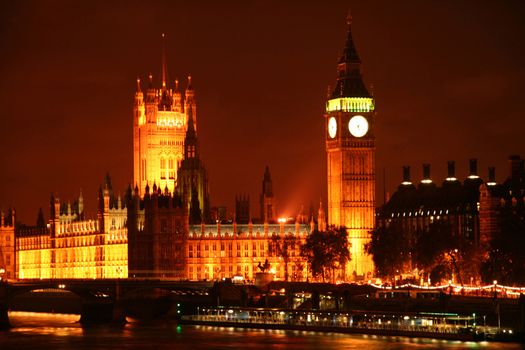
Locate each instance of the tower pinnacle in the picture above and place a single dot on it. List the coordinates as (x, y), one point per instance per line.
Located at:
(164, 64)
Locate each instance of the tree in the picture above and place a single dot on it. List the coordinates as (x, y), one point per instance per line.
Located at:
(436, 251)
(389, 250)
(282, 246)
(506, 261)
(326, 252)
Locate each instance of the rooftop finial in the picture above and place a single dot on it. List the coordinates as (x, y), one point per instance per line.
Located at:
(138, 84)
(164, 66)
(349, 18)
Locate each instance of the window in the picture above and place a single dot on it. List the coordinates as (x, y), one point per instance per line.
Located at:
(171, 168)
(144, 173)
(190, 251)
(198, 250)
(162, 168)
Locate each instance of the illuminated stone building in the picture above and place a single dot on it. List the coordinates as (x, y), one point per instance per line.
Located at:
(217, 251)
(160, 123)
(71, 246)
(7, 245)
(350, 148)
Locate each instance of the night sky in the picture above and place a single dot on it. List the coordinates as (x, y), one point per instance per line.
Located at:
(448, 78)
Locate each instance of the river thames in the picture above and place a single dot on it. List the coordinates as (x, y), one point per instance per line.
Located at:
(59, 331)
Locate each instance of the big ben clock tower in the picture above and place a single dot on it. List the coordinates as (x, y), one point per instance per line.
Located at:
(350, 148)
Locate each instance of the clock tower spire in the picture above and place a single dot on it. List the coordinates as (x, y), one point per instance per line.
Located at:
(350, 148)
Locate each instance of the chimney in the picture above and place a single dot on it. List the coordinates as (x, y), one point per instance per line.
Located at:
(492, 176)
(426, 174)
(451, 171)
(406, 175)
(473, 169)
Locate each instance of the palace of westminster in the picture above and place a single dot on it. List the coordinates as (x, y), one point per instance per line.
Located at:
(164, 227)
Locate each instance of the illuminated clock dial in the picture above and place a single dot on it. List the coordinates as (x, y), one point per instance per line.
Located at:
(332, 127)
(358, 126)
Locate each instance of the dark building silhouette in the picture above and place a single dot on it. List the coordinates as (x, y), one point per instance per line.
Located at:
(157, 230)
(192, 178)
(266, 199)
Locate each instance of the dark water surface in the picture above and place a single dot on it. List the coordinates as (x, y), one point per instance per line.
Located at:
(56, 331)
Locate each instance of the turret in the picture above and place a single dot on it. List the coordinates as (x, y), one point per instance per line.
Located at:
(266, 200)
(189, 100)
(177, 98)
(321, 218)
(81, 204)
(191, 149)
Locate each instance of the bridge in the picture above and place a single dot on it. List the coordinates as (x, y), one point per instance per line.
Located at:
(102, 299)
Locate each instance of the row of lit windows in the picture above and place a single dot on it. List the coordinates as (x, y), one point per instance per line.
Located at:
(242, 250)
(170, 143)
(242, 234)
(167, 168)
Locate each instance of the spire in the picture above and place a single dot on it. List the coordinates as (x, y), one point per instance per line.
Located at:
(190, 87)
(267, 189)
(350, 54)
(190, 141)
(164, 64)
(138, 85)
(349, 80)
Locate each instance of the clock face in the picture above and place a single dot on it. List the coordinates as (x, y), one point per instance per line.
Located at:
(358, 126)
(332, 127)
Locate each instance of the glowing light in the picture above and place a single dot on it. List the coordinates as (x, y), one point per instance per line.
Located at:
(451, 179)
(332, 127)
(350, 104)
(473, 177)
(426, 181)
(491, 183)
(358, 126)
(406, 183)
(281, 220)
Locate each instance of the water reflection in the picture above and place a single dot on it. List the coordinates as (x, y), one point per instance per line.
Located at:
(60, 331)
